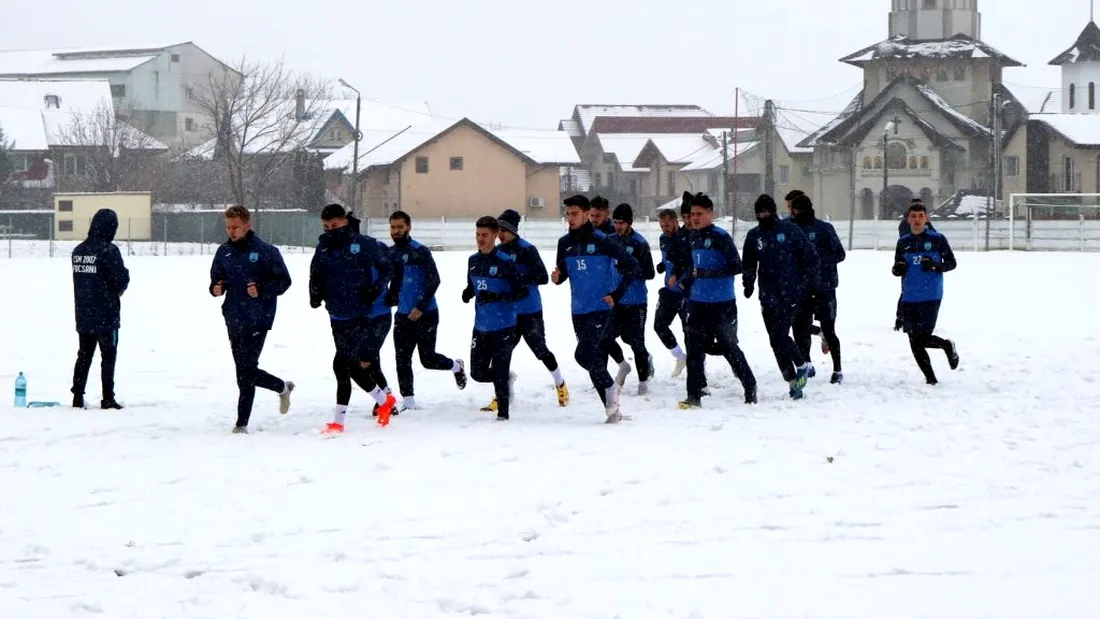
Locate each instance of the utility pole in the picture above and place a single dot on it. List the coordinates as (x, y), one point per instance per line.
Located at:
(996, 189)
(726, 171)
(769, 147)
(358, 138)
(732, 181)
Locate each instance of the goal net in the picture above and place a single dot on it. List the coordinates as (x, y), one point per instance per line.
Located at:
(1054, 221)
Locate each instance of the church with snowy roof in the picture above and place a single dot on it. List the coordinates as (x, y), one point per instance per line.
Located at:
(921, 125)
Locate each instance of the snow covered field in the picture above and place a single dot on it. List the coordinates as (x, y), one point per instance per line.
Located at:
(976, 498)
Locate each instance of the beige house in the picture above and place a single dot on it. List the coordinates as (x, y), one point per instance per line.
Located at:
(455, 169)
(73, 214)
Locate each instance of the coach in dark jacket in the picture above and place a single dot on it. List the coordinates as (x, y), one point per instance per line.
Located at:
(252, 275)
(99, 279)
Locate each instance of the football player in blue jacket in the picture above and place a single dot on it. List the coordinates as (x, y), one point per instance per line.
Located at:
(493, 279)
(629, 314)
(588, 259)
(600, 216)
(675, 265)
(920, 260)
(416, 323)
(252, 276)
(820, 300)
(530, 325)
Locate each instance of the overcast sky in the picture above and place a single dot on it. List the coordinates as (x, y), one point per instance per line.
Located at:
(525, 63)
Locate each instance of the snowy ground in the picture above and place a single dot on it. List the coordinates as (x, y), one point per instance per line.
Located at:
(977, 498)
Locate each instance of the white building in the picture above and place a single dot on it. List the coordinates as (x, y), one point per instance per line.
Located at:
(148, 85)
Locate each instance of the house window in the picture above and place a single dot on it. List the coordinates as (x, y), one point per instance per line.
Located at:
(175, 57)
(421, 165)
(609, 158)
(896, 156)
(64, 206)
(878, 163)
(671, 183)
(924, 162)
(1067, 166)
(64, 225)
(1012, 166)
(189, 124)
(1072, 96)
(456, 163)
(913, 162)
(960, 74)
(599, 179)
(784, 174)
(941, 75)
(866, 163)
(74, 164)
(1092, 95)
(52, 101)
(19, 163)
(929, 4)
(118, 90)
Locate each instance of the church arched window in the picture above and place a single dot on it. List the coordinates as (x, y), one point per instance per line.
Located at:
(866, 163)
(912, 162)
(896, 156)
(1072, 96)
(878, 163)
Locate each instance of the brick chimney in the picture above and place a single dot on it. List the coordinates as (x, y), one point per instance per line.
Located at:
(300, 105)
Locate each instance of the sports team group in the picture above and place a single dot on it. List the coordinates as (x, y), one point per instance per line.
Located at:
(789, 262)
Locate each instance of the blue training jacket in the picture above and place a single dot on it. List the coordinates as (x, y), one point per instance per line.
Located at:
(588, 259)
(415, 277)
(349, 273)
(380, 307)
(784, 261)
(918, 285)
(636, 245)
(529, 264)
(236, 263)
(497, 284)
(676, 257)
(714, 264)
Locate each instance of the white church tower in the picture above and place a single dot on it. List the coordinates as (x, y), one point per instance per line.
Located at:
(935, 20)
(1081, 72)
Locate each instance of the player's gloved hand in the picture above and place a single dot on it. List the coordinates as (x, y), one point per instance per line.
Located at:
(660, 267)
(467, 294)
(315, 302)
(900, 267)
(748, 290)
(929, 265)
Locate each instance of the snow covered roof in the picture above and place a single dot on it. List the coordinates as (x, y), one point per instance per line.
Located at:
(793, 136)
(378, 117)
(585, 114)
(540, 147)
(1046, 102)
(572, 127)
(1085, 49)
(44, 113)
(847, 113)
(582, 178)
(1080, 129)
(901, 47)
(625, 147)
(57, 62)
(960, 119)
(679, 149)
(714, 159)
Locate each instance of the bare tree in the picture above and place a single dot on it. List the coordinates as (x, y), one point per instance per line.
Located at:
(118, 156)
(260, 118)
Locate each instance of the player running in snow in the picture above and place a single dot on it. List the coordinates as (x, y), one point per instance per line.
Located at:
(781, 257)
(416, 325)
(252, 276)
(99, 279)
(529, 320)
(712, 304)
(675, 264)
(820, 301)
(379, 322)
(588, 259)
(920, 260)
(493, 279)
(903, 229)
(629, 314)
(600, 216)
(342, 276)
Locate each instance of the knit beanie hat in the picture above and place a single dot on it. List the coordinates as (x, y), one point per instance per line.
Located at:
(509, 221)
(623, 212)
(765, 204)
(685, 203)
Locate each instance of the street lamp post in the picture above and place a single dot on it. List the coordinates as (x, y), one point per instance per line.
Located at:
(891, 126)
(358, 138)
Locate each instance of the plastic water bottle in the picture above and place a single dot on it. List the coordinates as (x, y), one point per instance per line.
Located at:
(20, 391)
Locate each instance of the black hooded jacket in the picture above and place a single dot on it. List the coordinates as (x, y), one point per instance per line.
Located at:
(99, 276)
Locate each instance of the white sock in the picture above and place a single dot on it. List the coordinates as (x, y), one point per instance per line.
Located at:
(339, 413)
(379, 396)
(410, 402)
(456, 368)
(558, 380)
(679, 353)
(624, 366)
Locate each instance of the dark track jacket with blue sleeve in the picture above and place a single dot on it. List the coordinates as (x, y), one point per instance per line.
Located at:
(830, 251)
(529, 264)
(714, 264)
(349, 272)
(636, 245)
(784, 261)
(415, 277)
(498, 285)
(675, 258)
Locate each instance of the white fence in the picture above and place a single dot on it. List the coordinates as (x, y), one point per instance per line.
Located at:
(458, 234)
